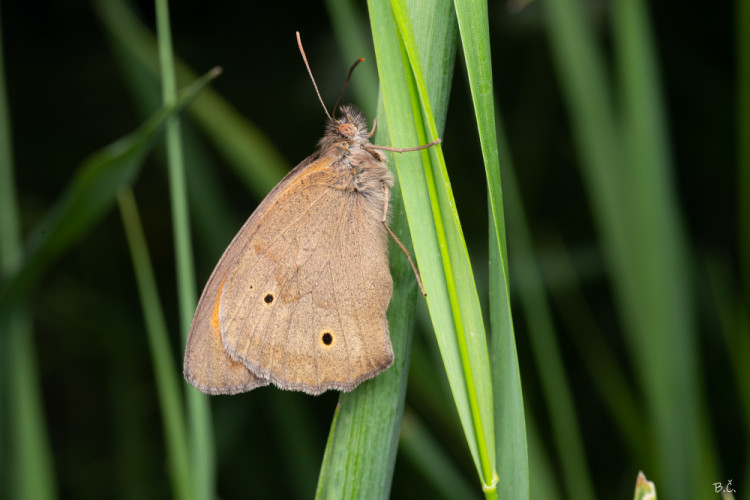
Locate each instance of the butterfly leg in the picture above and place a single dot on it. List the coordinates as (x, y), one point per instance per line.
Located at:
(374, 126)
(398, 242)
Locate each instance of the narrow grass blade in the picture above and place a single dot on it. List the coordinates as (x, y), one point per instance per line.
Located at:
(743, 145)
(544, 484)
(475, 39)
(604, 368)
(324, 474)
(353, 37)
(510, 421)
(29, 471)
(248, 151)
(199, 412)
(426, 454)
(178, 191)
(167, 383)
(512, 458)
(91, 193)
(211, 217)
(546, 350)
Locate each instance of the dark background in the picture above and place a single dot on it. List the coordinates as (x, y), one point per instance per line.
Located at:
(68, 99)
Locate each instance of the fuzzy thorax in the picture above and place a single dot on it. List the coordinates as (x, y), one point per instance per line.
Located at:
(361, 169)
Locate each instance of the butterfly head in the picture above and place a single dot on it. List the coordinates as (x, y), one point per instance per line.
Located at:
(350, 124)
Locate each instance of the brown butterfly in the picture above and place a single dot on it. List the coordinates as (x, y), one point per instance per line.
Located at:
(299, 297)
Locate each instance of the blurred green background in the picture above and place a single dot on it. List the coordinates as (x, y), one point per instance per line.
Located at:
(74, 87)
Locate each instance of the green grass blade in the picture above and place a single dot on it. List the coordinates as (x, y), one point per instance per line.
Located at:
(362, 447)
(475, 39)
(247, 150)
(177, 184)
(90, 194)
(628, 181)
(324, 475)
(667, 332)
(167, 383)
(511, 446)
(546, 350)
(361, 450)
(446, 272)
(467, 315)
(352, 35)
(743, 132)
(199, 412)
(212, 219)
(427, 455)
(544, 484)
(599, 358)
(29, 472)
(363, 440)
(510, 421)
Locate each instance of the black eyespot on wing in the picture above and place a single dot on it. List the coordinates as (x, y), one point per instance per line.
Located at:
(326, 338)
(268, 299)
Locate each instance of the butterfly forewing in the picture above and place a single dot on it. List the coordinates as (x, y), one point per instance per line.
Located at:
(303, 305)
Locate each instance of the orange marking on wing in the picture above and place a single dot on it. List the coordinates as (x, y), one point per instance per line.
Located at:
(215, 328)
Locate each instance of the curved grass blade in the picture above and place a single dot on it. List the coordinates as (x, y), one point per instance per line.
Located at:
(91, 194)
(247, 149)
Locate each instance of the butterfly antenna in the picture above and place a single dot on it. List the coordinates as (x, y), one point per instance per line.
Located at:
(304, 57)
(346, 82)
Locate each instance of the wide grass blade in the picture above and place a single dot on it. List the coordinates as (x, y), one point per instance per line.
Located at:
(439, 246)
(362, 447)
(663, 306)
(627, 171)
